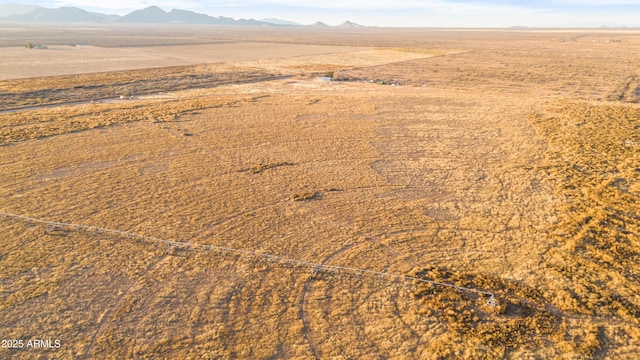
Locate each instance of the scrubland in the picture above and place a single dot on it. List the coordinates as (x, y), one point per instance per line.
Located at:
(505, 162)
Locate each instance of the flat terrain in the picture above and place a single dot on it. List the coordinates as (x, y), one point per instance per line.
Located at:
(80, 59)
(238, 207)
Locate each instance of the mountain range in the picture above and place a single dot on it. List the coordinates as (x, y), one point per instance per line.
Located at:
(149, 15)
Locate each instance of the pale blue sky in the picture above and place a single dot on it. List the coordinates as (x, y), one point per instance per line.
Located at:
(428, 13)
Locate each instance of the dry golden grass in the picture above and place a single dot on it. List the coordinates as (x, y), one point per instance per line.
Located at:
(595, 160)
(42, 123)
(510, 181)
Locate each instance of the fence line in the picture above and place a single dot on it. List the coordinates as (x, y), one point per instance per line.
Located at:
(315, 267)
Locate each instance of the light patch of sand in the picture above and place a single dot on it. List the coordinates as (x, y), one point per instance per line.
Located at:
(20, 62)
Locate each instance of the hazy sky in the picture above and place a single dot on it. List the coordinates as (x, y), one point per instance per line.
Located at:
(428, 13)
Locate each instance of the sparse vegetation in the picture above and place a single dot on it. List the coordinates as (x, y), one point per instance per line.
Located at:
(260, 167)
(511, 168)
(97, 86)
(307, 195)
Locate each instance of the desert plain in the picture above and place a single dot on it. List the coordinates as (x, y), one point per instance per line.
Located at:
(193, 192)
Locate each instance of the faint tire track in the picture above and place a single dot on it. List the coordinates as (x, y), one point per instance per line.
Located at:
(107, 315)
(394, 300)
(304, 299)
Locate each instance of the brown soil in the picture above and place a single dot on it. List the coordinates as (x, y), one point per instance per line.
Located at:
(504, 166)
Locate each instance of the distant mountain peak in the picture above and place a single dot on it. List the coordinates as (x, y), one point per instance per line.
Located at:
(151, 14)
(349, 24)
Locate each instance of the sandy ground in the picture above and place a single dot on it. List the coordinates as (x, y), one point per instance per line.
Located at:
(496, 183)
(64, 60)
